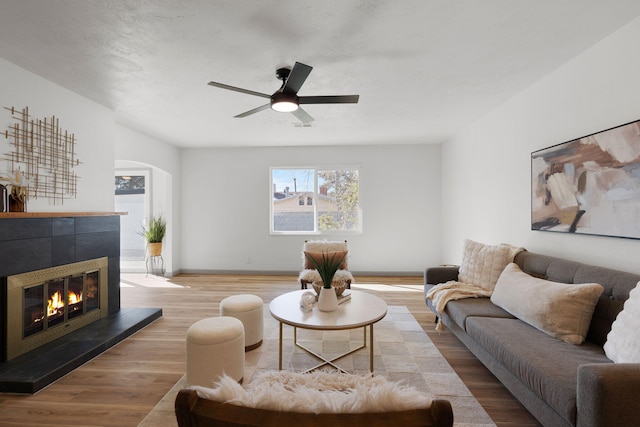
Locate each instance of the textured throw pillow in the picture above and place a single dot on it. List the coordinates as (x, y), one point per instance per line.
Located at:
(482, 264)
(623, 341)
(561, 310)
(317, 256)
(317, 392)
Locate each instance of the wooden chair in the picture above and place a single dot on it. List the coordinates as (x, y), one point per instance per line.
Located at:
(193, 411)
(308, 274)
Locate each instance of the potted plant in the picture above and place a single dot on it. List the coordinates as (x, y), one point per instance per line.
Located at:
(327, 265)
(154, 234)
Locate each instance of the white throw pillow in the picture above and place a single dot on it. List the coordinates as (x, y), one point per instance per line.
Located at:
(482, 264)
(561, 310)
(623, 341)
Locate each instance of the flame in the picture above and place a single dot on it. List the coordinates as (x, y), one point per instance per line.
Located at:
(56, 302)
(74, 298)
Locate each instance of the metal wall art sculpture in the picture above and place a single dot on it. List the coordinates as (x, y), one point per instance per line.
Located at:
(43, 154)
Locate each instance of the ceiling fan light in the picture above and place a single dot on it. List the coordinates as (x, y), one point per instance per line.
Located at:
(284, 106)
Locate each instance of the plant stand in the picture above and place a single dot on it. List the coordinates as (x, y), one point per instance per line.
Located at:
(155, 265)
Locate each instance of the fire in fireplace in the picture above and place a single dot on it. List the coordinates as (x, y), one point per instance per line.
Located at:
(59, 300)
(47, 304)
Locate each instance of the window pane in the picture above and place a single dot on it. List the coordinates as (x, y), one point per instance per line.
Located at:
(128, 184)
(291, 188)
(338, 200)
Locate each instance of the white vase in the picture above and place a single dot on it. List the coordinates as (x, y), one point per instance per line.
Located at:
(328, 300)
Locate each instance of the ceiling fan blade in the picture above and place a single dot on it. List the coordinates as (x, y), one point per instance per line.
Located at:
(255, 110)
(330, 99)
(297, 76)
(238, 89)
(302, 115)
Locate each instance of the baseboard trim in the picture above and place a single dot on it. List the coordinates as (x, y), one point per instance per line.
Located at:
(295, 273)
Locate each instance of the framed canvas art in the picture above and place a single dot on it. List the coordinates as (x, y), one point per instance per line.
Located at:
(590, 185)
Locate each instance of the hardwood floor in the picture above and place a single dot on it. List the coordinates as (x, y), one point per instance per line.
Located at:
(119, 387)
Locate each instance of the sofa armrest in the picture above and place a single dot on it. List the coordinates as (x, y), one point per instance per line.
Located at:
(608, 394)
(441, 274)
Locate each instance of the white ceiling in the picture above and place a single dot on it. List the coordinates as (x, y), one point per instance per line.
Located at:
(423, 68)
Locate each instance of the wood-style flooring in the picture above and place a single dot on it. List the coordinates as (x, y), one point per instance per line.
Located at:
(121, 386)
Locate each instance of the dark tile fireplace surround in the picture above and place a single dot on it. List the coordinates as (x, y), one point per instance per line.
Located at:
(35, 241)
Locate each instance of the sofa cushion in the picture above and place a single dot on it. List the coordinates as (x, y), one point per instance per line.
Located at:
(561, 310)
(547, 366)
(482, 264)
(623, 342)
(458, 311)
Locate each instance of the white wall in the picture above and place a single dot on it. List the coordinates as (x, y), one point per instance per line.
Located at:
(136, 149)
(486, 168)
(92, 124)
(226, 195)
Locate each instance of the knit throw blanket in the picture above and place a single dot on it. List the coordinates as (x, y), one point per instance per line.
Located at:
(451, 291)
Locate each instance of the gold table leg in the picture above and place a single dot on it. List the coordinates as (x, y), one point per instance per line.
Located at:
(326, 361)
(280, 350)
(370, 348)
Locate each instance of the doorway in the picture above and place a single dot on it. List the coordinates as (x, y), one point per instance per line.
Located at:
(133, 196)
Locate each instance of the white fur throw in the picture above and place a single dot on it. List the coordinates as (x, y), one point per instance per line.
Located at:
(482, 264)
(623, 341)
(317, 392)
(561, 310)
(311, 275)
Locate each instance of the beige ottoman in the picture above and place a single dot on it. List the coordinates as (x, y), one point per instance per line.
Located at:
(247, 308)
(215, 346)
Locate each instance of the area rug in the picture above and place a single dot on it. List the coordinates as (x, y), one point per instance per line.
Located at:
(402, 352)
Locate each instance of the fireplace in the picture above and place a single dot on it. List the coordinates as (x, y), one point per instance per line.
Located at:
(47, 304)
(34, 243)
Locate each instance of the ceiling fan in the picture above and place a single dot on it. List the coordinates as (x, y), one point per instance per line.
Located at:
(286, 98)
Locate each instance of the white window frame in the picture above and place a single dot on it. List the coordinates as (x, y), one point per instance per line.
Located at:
(315, 203)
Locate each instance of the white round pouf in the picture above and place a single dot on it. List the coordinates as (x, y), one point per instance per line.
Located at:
(215, 346)
(248, 309)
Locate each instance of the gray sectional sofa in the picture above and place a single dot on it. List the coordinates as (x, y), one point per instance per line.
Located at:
(561, 384)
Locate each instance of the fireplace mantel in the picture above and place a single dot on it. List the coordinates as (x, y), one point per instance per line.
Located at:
(56, 214)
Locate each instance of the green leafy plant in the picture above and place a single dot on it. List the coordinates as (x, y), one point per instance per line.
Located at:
(327, 266)
(156, 230)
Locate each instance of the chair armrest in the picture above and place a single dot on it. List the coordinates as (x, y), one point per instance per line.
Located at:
(608, 394)
(441, 274)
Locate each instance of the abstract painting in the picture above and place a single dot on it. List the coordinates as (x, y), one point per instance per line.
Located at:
(589, 185)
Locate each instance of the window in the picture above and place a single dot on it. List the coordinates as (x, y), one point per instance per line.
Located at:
(132, 189)
(313, 200)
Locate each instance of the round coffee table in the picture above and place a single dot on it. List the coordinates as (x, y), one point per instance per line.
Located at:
(362, 310)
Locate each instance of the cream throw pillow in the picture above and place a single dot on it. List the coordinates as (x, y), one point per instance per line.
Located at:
(482, 264)
(561, 310)
(623, 341)
(323, 246)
